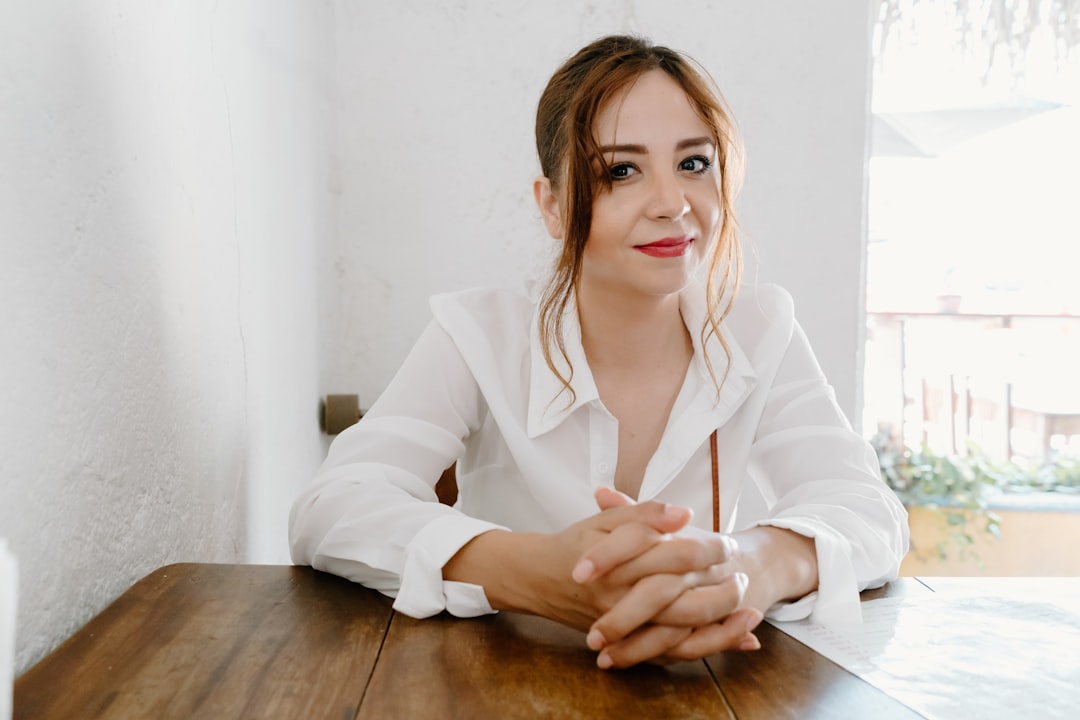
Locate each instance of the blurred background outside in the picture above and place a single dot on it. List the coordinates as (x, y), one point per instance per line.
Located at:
(973, 266)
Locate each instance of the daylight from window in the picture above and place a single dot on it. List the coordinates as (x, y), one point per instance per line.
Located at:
(973, 265)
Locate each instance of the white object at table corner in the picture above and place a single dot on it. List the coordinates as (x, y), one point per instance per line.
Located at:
(9, 592)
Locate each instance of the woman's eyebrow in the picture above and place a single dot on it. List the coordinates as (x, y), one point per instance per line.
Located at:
(693, 142)
(642, 150)
(636, 149)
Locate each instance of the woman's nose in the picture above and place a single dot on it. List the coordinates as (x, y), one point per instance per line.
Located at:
(668, 201)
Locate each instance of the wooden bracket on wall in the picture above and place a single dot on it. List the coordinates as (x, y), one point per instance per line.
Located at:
(339, 412)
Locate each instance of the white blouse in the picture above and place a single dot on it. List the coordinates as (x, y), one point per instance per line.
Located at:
(476, 389)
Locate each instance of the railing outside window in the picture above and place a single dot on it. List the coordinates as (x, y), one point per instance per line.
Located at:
(1009, 383)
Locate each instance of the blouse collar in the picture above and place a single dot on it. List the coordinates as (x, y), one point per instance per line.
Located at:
(550, 403)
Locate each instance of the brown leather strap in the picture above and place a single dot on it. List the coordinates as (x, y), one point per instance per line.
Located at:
(715, 484)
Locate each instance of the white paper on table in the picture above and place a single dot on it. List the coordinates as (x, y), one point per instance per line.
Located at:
(8, 596)
(952, 655)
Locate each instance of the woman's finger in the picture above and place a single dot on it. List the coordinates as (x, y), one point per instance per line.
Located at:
(734, 633)
(675, 555)
(657, 515)
(705, 604)
(636, 608)
(650, 642)
(622, 544)
(607, 498)
(670, 600)
(700, 644)
(659, 518)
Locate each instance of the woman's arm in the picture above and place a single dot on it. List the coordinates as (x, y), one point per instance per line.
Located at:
(372, 514)
(821, 480)
(534, 572)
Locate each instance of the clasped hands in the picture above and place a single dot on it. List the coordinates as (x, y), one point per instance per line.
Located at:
(646, 594)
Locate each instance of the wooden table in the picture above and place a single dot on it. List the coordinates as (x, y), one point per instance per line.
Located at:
(248, 641)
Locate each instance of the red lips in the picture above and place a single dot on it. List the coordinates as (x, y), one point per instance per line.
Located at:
(667, 247)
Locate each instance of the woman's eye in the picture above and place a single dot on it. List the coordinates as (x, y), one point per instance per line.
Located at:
(698, 164)
(622, 171)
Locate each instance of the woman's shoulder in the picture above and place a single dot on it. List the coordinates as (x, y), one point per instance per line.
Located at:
(489, 310)
(761, 320)
(761, 307)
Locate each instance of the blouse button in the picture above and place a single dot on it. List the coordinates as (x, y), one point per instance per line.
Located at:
(603, 468)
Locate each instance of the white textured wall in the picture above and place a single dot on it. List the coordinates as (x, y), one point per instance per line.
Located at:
(165, 219)
(436, 155)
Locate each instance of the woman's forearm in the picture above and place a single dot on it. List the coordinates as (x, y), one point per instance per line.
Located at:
(534, 572)
(496, 561)
(520, 572)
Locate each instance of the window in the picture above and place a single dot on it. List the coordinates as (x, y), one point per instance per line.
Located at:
(973, 263)
(974, 231)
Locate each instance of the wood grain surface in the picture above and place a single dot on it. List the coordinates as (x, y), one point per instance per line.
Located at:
(517, 666)
(216, 641)
(247, 641)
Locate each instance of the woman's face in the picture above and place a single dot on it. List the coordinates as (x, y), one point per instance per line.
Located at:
(652, 230)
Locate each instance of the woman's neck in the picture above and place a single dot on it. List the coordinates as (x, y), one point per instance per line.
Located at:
(632, 331)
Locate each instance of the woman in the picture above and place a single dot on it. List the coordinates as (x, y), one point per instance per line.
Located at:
(603, 434)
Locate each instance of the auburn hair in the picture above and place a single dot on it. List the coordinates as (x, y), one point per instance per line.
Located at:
(569, 150)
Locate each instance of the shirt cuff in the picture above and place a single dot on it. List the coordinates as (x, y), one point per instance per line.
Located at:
(423, 592)
(836, 601)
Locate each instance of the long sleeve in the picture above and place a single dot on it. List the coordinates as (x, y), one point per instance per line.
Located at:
(372, 515)
(821, 480)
